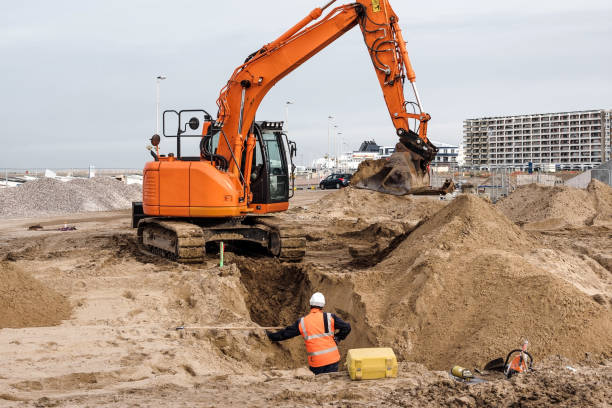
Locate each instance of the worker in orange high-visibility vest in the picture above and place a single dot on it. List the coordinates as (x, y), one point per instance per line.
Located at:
(321, 332)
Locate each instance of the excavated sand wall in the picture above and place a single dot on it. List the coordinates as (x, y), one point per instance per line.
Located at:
(278, 294)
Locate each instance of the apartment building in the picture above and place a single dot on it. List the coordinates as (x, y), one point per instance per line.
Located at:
(564, 141)
(447, 155)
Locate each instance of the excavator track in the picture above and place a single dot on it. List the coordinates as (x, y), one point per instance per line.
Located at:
(291, 246)
(175, 240)
(185, 242)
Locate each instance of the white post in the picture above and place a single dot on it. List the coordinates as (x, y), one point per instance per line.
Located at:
(335, 145)
(287, 116)
(157, 81)
(329, 125)
(338, 147)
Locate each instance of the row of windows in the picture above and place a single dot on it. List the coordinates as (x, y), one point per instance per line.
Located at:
(546, 142)
(528, 132)
(534, 125)
(445, 159)
(539, 154)
(546, 118)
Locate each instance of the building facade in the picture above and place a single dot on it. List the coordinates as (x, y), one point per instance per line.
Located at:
(447, 155)
(563, 141)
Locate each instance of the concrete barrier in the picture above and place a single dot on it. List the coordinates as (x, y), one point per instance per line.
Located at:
(602, 173)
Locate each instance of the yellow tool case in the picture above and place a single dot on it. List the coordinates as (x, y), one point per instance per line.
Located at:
(371, 363)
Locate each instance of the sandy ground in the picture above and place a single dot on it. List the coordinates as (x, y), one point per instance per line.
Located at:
(119, 347)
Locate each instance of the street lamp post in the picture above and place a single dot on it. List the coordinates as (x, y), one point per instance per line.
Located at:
(339, 147)
(287, 115)
(157, 81)
(330, 119)
(335, 130)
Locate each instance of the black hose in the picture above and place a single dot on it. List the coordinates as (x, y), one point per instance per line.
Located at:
(216, 158)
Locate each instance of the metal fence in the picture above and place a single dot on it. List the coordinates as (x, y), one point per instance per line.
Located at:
(603, 175)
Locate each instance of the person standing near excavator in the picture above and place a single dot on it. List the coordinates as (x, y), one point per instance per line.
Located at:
(319, 332)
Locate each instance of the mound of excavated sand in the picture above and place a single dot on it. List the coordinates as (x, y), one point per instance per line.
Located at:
(602, 196)
(356, 203)
(557, 207)
(47, 196)
(459, 291)
(26, 302)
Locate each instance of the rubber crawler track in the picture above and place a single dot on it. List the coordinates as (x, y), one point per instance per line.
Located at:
(184, 242)
(293, 240)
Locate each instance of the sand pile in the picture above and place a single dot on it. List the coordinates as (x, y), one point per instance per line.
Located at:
(26, 302)
(558, 207)
(356, 203)
(48, 196)
(458, 291)
(602, 196)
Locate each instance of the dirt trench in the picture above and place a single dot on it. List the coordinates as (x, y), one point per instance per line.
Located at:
(277, 294)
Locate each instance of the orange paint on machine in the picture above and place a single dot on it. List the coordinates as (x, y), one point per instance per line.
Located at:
(243, 171)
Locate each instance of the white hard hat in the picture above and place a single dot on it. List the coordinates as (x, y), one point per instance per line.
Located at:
(317, 300)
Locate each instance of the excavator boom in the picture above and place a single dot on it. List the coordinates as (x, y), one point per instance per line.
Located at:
(250, 82)
(241, 176)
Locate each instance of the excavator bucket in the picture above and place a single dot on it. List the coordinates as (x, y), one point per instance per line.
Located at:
(404, 172)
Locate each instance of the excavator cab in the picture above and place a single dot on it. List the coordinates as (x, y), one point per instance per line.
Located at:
(272, 166)
(271, 170)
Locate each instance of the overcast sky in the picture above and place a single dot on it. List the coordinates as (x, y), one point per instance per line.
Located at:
(77, 80)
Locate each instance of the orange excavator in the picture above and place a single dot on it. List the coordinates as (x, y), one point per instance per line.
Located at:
(244, 170)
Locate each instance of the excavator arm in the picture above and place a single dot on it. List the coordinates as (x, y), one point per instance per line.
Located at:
(189, 202)
(250, 82)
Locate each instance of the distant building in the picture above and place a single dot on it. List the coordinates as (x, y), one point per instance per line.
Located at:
(447, 155)
(370, 150)
(577, 140)
(369, 146)
(386, 151)
(461, 155)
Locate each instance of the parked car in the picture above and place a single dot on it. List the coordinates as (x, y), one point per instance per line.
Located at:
(336, 180)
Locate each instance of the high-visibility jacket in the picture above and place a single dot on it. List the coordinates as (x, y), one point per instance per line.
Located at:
(317, 329)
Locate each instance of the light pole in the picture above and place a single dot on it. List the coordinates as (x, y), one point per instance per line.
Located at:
(287, 115)
(339, 147)
(157, 81)
(335, 130)
(330, 119)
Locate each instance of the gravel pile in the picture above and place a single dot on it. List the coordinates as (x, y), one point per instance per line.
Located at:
(47, 196)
